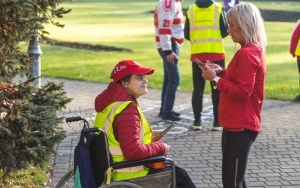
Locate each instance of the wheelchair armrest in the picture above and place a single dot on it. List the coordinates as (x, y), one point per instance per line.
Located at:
(127, 164)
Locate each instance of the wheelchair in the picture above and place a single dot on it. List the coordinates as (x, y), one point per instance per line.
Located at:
(101, 162)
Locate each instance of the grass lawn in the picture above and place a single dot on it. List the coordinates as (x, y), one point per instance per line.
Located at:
(128, 24)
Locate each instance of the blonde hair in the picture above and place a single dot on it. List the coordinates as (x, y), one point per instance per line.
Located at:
(248, 17)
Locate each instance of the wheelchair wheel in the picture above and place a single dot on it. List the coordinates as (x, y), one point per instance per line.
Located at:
(67, 181)
(121, 184)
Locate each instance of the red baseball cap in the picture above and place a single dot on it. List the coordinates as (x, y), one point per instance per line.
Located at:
(125, 67)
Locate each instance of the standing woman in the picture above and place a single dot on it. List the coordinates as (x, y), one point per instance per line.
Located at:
(295, 48)
(241, 88)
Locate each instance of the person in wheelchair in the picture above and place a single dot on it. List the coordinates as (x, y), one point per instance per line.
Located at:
(130, 137)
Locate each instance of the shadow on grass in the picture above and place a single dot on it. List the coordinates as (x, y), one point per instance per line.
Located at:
(86, 46)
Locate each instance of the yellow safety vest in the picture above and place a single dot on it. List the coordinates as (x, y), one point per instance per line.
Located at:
(104, 120)
(297, 52)
(205, 34)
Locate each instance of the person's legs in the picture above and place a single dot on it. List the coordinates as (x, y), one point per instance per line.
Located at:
(173, 80)
(197, 94)
(183, 179)
(235, 148)
(165, 81)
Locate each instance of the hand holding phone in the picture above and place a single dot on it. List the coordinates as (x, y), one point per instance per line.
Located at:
(200, 63)
(168, 129)
(161, 134)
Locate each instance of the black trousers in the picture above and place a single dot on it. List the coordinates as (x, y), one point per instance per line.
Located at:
(235, 148)
(197, 95)
(298, 62)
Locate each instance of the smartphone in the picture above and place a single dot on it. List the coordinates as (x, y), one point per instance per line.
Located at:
(199, 62)
(167, 129)
(161, 134)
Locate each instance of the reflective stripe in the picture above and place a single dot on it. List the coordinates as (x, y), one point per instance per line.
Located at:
(116, 150)
(107, 120)
(205, 35)
(206, 40)
(212, 27)
(131, 169)
(194, 28)
(142, 127)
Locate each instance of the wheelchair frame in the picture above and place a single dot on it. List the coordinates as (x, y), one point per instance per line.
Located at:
(68, 179)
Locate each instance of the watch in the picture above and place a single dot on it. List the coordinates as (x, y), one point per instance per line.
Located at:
(215, 81)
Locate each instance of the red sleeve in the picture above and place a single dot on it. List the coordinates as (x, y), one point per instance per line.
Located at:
(222, 73)
(241, 74)
(127, 131)
(294, 39)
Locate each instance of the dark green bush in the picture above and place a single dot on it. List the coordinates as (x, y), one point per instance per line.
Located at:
(29, 125)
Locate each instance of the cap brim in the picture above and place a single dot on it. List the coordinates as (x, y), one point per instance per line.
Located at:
(144, 70)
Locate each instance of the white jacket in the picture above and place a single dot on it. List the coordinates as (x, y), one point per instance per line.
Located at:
(169, 23)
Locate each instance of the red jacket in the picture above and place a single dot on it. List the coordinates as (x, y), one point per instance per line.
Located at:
(127, 124)
(294, 40)
(242, 90)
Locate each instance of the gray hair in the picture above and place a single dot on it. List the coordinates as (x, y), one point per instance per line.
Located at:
(248, 17)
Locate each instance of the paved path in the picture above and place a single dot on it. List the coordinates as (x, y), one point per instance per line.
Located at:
(274, 159)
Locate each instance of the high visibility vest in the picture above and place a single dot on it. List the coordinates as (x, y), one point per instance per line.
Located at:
(297, 51)
(104, 120)
(205, 34)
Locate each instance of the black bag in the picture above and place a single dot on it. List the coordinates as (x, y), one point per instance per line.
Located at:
(83, 169)
(100, 156)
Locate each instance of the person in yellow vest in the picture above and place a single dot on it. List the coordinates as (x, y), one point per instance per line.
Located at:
(205, 27)
(295, 48)
(130, 137)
